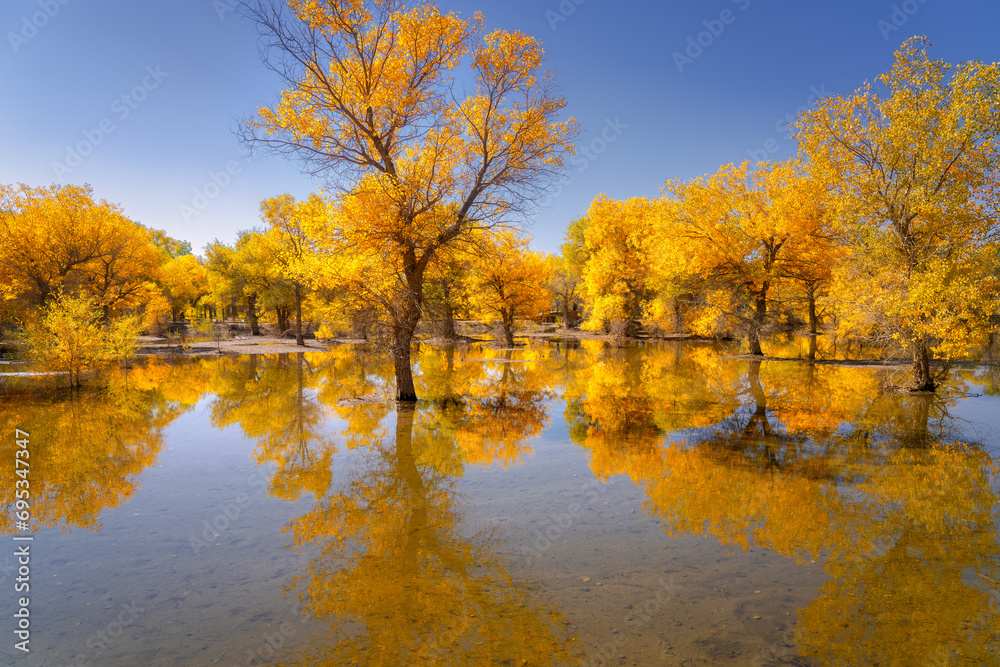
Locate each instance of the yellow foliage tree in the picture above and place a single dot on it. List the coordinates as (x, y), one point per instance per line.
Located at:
(70, 338)
(617, 257)
(289, 245)
(372, 105)
(60, 238)
(184, 282)
(744, 229)
(509, 280)
(914, 165)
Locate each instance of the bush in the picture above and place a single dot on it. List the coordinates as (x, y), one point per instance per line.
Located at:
(69, 337)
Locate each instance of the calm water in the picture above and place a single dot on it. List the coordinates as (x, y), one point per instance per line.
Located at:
(662, 505)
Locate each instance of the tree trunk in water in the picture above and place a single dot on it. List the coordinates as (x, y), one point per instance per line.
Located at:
(405, 390)
(298, 315)
(812, 349)
(508, 328)
(252, 315)
(757, 323)
(758, 425)
(922, 380)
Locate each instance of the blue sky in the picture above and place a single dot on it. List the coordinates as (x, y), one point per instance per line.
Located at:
(140, 98)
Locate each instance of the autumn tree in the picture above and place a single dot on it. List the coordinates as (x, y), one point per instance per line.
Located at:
(448, 286)
(914, 163)
(59, 238)
(617, 259)
(509, 281)
(252, 275)
(184, 282)
(71, 337)
(567, 270)
(374, 107)
(169, 247)
(744, 229)
(290, 246)
(564, 283)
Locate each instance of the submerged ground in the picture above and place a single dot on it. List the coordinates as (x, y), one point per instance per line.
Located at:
(577, 503)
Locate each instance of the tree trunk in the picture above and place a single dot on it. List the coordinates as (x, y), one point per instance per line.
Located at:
(757, 322)
(922, 380)
(252, 315)
(813, 320)
(298, 315)
(282, 313)
(405, 391)
(448, 322)
(404, 325)
(507, 321)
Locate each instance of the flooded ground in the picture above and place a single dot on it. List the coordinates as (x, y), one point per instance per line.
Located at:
(668, 504)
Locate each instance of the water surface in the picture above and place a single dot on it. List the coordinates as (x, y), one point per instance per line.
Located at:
(657, 505)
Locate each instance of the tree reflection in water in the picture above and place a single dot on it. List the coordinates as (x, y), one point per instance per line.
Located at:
(401, 576)
(815, 463)
(89, 445)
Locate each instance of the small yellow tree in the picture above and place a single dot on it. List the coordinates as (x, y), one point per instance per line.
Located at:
(746, 228)
(510, 281)
(617, 260)
(69, 337)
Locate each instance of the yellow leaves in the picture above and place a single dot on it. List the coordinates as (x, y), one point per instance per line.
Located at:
(618, 254)
(70, 338)
(509, 280)
(915, 169)
(508, 59)
(184, 281)
(60, 237)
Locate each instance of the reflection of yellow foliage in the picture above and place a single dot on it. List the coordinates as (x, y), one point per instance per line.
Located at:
(86, 448)
(812, 462)
(401, 581)
(488, 406)
(273, 401)
(914, 599)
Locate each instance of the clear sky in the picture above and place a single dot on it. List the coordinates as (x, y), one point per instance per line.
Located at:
(140, 98)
